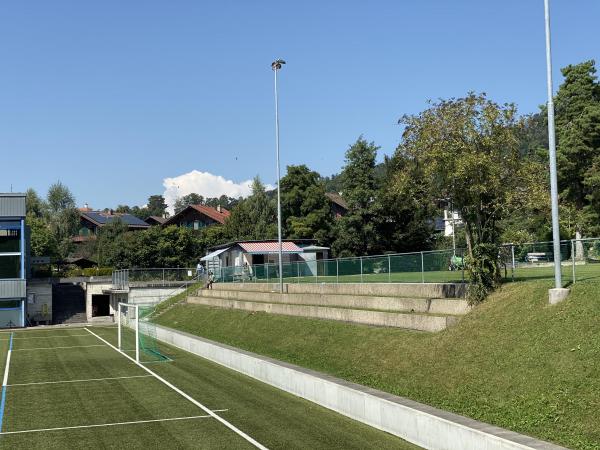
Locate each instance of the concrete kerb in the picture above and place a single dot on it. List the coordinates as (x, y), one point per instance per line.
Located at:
(453, 306)
(412, 321)
(422, 290)
(420, 424)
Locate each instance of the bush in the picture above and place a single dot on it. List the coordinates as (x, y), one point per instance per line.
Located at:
(484, 272)
(89, 272)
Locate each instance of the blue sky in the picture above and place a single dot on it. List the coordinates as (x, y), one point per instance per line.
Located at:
(113, 97)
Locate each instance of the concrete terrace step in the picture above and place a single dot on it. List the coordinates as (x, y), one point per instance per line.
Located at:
(413, 321)
(404, 304)
(414, 290)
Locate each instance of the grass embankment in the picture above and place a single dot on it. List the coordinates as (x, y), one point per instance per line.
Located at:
(513, 361)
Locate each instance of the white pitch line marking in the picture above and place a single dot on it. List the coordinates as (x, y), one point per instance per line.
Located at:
(97, 425)
(36, 330)
(186, 396)
(6, 367)
(54, 348)
(78, 381)
(48, 337)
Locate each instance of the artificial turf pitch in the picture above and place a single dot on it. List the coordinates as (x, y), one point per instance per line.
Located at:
(66, 388)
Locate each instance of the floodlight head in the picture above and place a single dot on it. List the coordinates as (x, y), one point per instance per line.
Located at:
(276, 65)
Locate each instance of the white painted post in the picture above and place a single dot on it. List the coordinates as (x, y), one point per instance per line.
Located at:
(119, 325)
(573, 259)
(422, 268)
(512, 250)
(361, 270)
(137, 333)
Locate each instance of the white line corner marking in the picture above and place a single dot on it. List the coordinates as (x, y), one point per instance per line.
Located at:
(6, 367)
(34, 383)
(186, 396)
(113, 424)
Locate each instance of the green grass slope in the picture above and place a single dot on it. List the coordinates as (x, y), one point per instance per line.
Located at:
(514, 361)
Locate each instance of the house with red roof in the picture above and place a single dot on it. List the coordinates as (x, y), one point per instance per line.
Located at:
(198, 217)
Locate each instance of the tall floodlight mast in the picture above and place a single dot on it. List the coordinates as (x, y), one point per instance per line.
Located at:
(276, 66)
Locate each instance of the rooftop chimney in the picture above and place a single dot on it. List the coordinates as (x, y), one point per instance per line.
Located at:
(219, 208)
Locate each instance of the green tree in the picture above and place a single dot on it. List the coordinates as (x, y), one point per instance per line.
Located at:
(468, 150)
(305, 209)
(403, 208)
(35, 205)
(578, 138)
(63, 218)
(109, 247)
(123, 209)
(156, 206)
(355, 232)
(254, 217)
(223, 200)
(42, 240)
(191, 199)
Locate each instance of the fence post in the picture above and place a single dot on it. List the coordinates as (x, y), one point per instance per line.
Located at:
(337, 271)
(463, 265)
(361, 270)
(512, 250)
(573, 259)
(163, 276)
(266, 266)
(389, 269)
(316, 271)
(298, 272)
(422, 268)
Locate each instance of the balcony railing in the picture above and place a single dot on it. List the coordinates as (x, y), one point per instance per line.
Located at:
(12, 288)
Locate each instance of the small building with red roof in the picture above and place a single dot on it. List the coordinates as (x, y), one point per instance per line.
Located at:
(245, 256)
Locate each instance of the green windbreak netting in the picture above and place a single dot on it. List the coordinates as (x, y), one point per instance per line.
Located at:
(149, 347)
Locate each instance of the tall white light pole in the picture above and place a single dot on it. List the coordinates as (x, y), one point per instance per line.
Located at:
(557, 294)
(276, 66)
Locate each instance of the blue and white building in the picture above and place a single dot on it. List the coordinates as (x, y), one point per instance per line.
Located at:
(13, 251)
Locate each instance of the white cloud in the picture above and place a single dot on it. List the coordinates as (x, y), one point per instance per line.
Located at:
(205, 184)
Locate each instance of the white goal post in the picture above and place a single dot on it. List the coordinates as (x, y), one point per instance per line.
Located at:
(128, 316)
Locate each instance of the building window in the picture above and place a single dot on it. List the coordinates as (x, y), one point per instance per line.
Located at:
(10, 266)
(10, 240)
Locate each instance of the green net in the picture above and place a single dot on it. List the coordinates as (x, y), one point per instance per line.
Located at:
(149, 347)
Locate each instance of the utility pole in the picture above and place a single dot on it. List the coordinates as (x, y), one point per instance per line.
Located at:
(276, 66)
(558, 293)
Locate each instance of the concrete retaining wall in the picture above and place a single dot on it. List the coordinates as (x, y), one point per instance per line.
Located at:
(420, 424)
(423, 290)
(419, 322)
(423, 305)
(39, 304)
(152, 295)
(136, 294)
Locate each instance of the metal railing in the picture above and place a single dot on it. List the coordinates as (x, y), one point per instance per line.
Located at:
(121, 279)
(436, 266)
(580, 260)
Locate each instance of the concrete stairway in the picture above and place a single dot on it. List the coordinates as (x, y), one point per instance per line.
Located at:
(80, 317)
(423, 307)
(68, 303)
